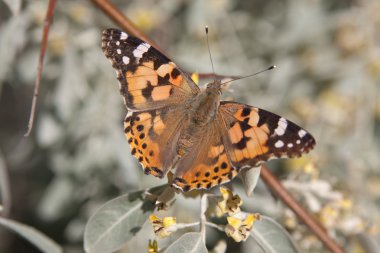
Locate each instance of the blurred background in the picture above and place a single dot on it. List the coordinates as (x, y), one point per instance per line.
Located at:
(327, 81)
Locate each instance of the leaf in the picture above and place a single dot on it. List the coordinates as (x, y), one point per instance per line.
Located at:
(271, 237)
(188, 243)
(11, 42)
(117, 221)
(369, 244)
(5, 196)
(13, 5)
(250, 177)
(34, 236)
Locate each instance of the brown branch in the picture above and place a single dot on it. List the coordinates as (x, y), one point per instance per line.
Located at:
(47, 22)
(280, 191)
(266, 175)
(121, 20)
(215, 76)
(125, 24)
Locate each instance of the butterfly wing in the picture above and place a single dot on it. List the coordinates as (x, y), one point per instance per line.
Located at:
(253, 135)
(155, 92)
(206, 164)
(240, 136)
(151, 135)
(148, 79)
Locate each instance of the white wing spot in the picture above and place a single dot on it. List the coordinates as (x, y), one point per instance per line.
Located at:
(117, 43)
(123, 36)
(279, 144)
(298, 141)
(141, 49)
(301, 133)
(118, 51)
(290, 145)
(281, 126)
(125, 60)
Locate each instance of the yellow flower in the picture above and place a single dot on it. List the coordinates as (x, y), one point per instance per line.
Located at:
(152, 246)
(229, 203)
(240, 229)
(329, 216)
(163, 227)
(195, 78)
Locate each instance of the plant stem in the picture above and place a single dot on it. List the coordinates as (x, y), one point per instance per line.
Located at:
(45, 34)
(216, 226)
(187, 225)
(120, 19)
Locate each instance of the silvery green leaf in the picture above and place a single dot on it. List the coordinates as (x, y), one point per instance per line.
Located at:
(11, 42)
(13, 5)
(40, 240)
(5, 197)
(250, 177)
(271, 237)
(117, 221)
(188, 243)
(369, 243)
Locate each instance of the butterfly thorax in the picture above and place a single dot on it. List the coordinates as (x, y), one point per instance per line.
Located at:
(204, 106)
(202, 111)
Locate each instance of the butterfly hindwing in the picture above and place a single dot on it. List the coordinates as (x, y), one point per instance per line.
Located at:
(206, 164)
(254, 135)
(148, 79)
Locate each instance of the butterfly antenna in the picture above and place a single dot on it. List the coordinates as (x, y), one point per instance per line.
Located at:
(270, 68)
(209, 51)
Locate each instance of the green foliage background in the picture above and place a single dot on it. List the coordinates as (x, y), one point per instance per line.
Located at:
(327, 80)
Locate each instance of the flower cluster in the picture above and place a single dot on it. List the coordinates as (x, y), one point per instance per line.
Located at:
(163, 227)
(239, 223)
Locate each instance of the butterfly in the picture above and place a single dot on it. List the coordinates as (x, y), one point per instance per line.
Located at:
(173, 125)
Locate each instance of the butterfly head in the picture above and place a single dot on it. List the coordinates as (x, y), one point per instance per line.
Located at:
(215, 87)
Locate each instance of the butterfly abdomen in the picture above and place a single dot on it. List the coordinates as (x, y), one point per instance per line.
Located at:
(202, 112)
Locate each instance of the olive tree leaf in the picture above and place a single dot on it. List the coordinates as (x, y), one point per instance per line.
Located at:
(11, 42)
(369, 244)
(271, 237)
(188, 243)
(13, 5)
(41, 241)
(250, 177)
(118, 220)
(5, 196)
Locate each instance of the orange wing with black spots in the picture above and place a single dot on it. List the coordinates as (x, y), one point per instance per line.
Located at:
(148, 80)
(207, 163)
(151, 135)
(253, 135)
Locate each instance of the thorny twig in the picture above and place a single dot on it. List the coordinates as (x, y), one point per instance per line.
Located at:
(267, 177)
(47, 22)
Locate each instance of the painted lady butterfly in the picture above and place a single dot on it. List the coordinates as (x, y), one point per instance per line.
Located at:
(172, 125)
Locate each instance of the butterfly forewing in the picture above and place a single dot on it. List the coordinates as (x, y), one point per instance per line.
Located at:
(148, 79)
(253, 135)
